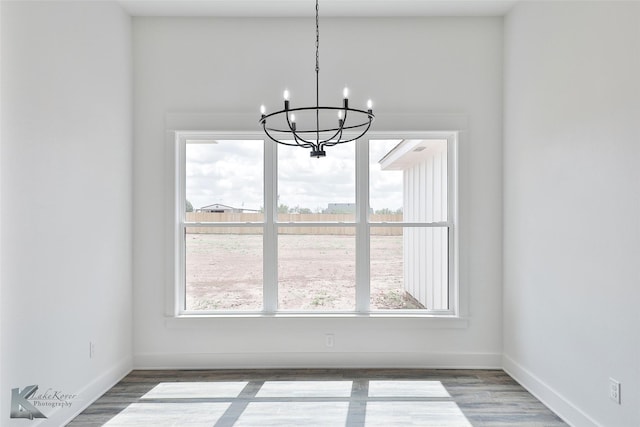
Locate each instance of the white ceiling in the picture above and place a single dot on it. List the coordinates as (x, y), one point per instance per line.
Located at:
(306, 8)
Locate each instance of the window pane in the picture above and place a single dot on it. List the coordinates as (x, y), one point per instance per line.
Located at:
(316, 268)
(316, 189)
(385, 185)
(409, 268)
(224, 181)
(408, 180)
(223, 268)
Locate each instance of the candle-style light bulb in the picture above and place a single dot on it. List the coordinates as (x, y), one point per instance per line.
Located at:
(263, 110)
(286, 99)
(293, 118)
(339, 114)
(369, 105)
(345, 92)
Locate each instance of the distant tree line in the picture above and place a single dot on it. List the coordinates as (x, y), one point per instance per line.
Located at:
(387, 211)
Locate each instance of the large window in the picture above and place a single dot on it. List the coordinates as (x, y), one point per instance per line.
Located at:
(265, 228)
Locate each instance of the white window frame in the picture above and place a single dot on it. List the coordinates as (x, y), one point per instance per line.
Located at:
(362, 225)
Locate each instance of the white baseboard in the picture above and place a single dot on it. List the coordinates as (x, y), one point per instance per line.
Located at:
(317, 360)
(92, 391)
(559, 404)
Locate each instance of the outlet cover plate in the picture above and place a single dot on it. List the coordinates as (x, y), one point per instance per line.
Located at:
(614, 390)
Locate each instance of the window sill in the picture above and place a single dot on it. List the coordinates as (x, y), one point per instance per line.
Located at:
(392, 320)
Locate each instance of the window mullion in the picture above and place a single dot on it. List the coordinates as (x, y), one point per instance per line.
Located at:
(452, 218)
(180, 293)
(270, 239)
(363, 290)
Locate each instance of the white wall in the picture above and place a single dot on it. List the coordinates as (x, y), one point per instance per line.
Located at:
(420, 72)
(571, 189)
(66, 197)
(1, 286)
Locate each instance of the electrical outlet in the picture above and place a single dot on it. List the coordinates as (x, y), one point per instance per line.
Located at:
(92, 349)
(329, 340)
(614, 390)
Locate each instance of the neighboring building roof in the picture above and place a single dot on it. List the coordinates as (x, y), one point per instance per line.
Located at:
(220, 206)
(340, 208)
(217, 206)
(409, 152)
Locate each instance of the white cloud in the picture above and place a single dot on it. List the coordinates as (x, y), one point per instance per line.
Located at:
(229, 172)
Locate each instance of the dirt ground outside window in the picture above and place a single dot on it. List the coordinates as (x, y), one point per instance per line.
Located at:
(315, 272)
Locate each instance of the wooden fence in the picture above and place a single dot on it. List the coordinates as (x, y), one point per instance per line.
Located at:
(299, 219)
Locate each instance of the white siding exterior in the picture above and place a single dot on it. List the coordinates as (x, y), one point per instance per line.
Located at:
(424, 166)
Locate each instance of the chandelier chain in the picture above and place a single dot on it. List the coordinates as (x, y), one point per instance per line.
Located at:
(317, 73)
(317, 39)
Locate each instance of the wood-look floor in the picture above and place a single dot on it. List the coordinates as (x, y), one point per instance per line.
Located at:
(318, 397)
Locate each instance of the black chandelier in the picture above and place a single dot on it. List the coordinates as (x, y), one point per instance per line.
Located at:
(286, 132)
